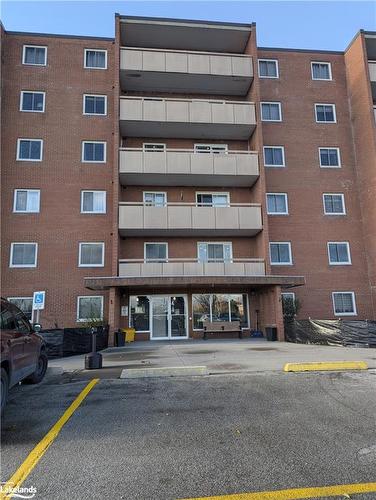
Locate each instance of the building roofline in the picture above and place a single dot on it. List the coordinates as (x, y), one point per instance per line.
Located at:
(316, 51)
(55, 35)
(185, 21)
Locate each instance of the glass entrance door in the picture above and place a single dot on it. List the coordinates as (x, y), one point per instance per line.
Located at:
(168, 317)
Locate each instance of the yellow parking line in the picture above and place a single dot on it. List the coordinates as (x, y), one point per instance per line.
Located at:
(297, 493)
(37, 453)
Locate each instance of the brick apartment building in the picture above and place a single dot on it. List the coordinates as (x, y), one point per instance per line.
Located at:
(180, 173)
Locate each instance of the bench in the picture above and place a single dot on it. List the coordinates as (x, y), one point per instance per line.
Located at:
(222, 326)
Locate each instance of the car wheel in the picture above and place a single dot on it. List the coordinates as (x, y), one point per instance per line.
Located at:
(40, 372)
(4, 388)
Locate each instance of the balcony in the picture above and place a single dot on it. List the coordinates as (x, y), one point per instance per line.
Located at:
(187, 219)
(137, 268)
(186, 118)
(184, 167)
(372, 74)
(178, 71)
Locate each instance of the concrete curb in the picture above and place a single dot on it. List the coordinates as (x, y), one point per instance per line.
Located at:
(325, 366)
(173, 371)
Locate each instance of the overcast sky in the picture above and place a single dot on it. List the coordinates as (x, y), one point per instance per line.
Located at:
(298, 24)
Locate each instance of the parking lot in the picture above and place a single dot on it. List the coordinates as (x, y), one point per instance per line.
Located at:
(193, 437)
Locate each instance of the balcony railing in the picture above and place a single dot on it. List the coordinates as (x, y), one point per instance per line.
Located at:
(138, 268)
(186, 118)
(181, 71)
(184, 167)
(188, 219)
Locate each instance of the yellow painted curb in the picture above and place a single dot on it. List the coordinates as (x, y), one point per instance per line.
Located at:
(325, 366)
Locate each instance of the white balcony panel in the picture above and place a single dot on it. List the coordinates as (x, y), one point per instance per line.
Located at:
(186, 118)
(189, 220)
(372, 74)
(186, 168)
(178, 71)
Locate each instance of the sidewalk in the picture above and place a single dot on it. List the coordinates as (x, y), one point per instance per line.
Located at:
(219, 356)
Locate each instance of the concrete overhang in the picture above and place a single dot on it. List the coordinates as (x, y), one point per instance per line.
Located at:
(189, 282)
(183, 34)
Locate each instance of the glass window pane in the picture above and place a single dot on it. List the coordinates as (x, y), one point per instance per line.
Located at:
(220, 308)
(27, 101)
(280, 203)
(90, 308)
(238, 309)
(35, 150)
(201, 310)
(33, 201)
(274, 115)
(87, 204)
(23, 303)
(21, 201)
(337, 205)
(91, 253)
(40, 55)
(156, 252)
(23, 254)
(220, 200)
(284, 253)
(99, 202)
(274, 254)
(202, 252)
(139, 313)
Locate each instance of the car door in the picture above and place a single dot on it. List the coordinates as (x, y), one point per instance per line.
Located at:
(30, 342)
(13, 342)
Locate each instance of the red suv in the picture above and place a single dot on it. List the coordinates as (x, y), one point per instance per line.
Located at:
(23, 351)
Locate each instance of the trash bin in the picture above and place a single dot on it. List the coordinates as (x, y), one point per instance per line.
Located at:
(271, 333)
(119, 338)
(129, 334)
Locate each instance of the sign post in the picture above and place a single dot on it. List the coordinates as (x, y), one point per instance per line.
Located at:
(38, 304)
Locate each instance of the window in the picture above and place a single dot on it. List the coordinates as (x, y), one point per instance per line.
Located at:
(288, 296)
(339, 253)
(268, 68)
(155, 252)
(155, 199)
(93, 202)
(219, 307)
(211, 148)
(271, 112)
(277, 203)
(212, 199)
(34, 55)
(95, 59)
(91, 255)
(154, 147)
(280, 253)
(23, 303)
(325, 113)
(32, 101)
(29, 149)
(94, 152)
(139, 307)
(321, 71)
(274, 156)
(214, 252)
(89, 308)
(344, 303)
(26, 200)
(23, 254)
(95, 104)
(329, 157)
(334, 204)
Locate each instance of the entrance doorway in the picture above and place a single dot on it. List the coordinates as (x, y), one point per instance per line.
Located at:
(168, 317)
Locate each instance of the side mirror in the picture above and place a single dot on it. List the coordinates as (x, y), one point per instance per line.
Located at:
(37, 327)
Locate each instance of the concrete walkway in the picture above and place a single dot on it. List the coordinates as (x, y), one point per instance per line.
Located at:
(219, 356)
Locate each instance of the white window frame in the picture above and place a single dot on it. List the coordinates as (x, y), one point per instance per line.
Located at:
(81, 320)
(93, 211)
(25, 211)
(349, 262)
(161, 150)
(94, 161)
(338, 156)
(32, 92)
(290, 263)
(211, 146)
(283, 157)
(28, 139)
(343, 204)
(330, 71)
(23, 265)
(289, 294)
(155, 243)
(36, 47)
(354, 313)
(20, 298)
(94, 114)
(215, 243)
(90, 243)
(268, 60)
(286, 203)
(154, 192)
(280, 111)
(213, 193)
(95, 50)
(326, 104)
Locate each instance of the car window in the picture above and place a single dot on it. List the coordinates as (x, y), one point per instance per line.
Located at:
(22, 323)
(7, 321)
